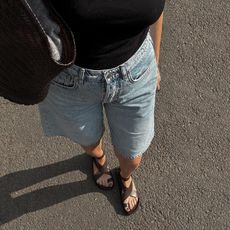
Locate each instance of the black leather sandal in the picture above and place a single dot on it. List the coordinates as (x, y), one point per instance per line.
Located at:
(103, 169)
(126, 192)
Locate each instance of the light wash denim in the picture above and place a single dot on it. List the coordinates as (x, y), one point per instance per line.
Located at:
(74, 105)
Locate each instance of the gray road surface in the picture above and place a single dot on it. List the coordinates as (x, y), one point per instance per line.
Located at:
(184, 180)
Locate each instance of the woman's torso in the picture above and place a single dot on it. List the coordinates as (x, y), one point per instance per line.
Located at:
(108, 32)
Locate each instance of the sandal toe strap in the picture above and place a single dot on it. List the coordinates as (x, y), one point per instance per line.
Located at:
(130, 191)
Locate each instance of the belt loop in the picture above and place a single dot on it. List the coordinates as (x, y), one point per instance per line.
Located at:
(123, 71)
(81, 76)
(105, 74)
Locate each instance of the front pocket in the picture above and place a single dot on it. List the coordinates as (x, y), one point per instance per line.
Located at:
(64, 80)
(137, 77)
(142, 67)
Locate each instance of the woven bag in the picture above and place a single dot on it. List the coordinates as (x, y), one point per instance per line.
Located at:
(35, 45)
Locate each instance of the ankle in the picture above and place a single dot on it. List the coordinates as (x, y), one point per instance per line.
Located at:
(100, 158)
(126, 180)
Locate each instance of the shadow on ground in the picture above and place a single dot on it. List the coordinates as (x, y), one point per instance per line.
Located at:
(12, 208)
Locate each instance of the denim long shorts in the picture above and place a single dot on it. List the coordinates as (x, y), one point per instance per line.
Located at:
(74, 105)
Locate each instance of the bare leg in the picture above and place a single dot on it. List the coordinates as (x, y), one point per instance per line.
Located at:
(127, 166)
(96, 151)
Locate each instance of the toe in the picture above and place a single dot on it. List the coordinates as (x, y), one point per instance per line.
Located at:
(126, 206)
(133, 203)
(111, 184)
(99, 182)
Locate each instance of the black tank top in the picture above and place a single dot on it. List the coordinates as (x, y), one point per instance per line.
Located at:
(108, 32)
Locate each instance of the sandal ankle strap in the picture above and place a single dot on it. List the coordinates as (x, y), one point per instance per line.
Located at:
(125, 178)
(100, 156)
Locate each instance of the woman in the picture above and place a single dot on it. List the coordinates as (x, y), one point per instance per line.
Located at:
(116, 69)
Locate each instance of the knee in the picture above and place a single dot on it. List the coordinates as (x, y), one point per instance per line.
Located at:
(91, 148)
(136, 161)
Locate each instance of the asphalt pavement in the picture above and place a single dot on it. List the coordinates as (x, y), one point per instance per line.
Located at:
(184, 179)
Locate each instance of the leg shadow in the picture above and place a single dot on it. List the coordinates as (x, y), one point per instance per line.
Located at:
(12, 208)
